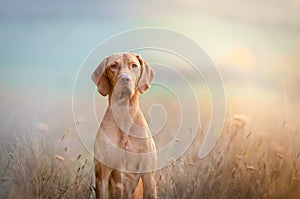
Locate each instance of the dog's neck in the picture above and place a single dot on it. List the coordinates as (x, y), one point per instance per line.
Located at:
(124, 110)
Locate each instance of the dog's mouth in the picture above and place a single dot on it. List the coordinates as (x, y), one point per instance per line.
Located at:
(126, 92)
(123, 91)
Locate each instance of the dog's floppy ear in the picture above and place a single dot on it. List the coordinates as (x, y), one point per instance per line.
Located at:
(99, 77)
(147, 75)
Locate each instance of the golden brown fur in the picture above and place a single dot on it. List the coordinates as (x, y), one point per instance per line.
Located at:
(123, 130)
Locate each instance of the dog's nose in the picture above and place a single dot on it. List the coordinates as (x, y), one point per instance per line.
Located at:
(124, 77)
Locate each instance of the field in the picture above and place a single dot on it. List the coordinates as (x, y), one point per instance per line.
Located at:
(50, 110)
(247, 162)
(45, 154)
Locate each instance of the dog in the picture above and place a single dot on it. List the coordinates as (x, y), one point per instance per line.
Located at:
(124, 150)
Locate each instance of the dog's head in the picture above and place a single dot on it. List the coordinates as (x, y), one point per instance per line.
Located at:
(122, 73)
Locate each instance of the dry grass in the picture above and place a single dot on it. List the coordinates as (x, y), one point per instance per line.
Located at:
(37, 169)
(244, 164)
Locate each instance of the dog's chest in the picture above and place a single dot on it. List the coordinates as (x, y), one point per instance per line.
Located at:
(129, 144)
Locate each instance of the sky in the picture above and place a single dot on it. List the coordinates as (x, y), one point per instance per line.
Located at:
(255, 45)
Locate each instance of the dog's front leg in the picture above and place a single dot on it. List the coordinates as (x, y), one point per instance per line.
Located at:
(101, 189)
(149, 185)
(102, 180)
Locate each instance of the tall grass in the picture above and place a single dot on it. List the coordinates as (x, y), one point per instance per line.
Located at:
(38, 169)
(244, 164)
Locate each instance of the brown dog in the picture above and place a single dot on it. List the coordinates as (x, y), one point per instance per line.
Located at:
(125, 153)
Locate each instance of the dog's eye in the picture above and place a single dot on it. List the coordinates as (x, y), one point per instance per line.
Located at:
(134, 66)
(113, 66)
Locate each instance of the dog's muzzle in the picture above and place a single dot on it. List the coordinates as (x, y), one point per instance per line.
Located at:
(125, 78)
(125, 82)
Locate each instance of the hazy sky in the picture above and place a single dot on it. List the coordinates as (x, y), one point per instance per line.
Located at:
(279, 12)
(43, 43)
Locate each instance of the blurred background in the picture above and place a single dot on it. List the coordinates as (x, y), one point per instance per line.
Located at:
(254, 44)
